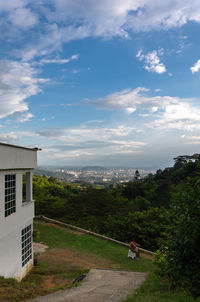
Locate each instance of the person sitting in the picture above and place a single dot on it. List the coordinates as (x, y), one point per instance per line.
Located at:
(134, 250)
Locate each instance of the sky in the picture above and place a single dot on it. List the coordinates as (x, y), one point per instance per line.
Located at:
(110, 82)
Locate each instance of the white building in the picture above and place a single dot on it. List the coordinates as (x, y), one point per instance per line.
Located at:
(16, 212)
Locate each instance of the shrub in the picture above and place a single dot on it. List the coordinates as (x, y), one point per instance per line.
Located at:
(180, 262)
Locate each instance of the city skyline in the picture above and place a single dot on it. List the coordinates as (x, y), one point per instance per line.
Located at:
(114, 83)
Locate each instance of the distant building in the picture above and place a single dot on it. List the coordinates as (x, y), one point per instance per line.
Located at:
(16, 212)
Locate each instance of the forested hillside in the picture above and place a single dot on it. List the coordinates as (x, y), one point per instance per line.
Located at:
(139, 209)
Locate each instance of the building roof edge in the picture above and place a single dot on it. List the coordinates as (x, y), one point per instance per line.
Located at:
(20, 147)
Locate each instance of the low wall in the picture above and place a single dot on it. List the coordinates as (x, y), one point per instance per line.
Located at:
(144, 253)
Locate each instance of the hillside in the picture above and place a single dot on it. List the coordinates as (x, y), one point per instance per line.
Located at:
(69, 255)
(157, 211)
(140, 208)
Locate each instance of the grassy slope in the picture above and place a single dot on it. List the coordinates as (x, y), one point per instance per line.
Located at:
(58, 237)
(153, 290)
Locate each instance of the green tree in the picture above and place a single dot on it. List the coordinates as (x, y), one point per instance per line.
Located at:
(180, 261)
(133, 189)
(140, 204)
(137, 175)
(149, 227)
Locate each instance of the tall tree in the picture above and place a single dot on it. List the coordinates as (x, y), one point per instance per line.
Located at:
(137, 175)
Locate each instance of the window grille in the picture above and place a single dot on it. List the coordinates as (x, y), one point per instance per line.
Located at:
(26, 235)
(10, 194)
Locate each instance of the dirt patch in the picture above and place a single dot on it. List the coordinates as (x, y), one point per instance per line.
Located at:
(62, 266)
(147, 256)
(47, 283)
(39, 247)
(58, 255)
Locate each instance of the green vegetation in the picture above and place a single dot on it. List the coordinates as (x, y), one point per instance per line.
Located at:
(139, 209)
(87, 244)
(154, 288)
(53, 273)
(156, 211)
(179, 261)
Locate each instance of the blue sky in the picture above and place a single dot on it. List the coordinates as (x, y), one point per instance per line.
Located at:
(110, 82)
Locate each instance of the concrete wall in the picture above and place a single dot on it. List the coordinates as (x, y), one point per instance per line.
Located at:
(10, 254)
(17, 158)
(10, 230)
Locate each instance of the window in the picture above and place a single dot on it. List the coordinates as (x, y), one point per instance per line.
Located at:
(10, 194)
(26, 236)
(27, 187)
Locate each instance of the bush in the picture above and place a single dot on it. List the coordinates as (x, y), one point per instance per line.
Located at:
(180, 262)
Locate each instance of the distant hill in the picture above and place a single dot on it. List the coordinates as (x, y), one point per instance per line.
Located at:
(94, 168)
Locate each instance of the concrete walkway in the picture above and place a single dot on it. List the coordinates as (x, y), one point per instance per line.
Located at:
(99, 286)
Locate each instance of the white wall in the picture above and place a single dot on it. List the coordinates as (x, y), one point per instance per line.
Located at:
(10, 229)
(10, 254)
(17, 158)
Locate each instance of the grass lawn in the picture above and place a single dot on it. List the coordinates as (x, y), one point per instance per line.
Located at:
(155, 290)
(57, 237)
(69, 255)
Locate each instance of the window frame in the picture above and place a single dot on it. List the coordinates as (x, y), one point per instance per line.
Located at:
(9, 194)
(26, 245)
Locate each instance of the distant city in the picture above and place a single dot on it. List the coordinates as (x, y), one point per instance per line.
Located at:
(93, 174)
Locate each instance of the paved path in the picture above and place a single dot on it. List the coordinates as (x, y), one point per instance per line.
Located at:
(99, 286)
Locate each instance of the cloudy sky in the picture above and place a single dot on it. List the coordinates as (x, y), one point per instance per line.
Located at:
(110, 82)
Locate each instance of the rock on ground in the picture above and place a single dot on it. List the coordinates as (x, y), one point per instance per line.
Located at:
(39, 248)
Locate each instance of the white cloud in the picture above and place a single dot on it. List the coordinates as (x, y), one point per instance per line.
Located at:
(130, 109)
(152, 61)
(81, 134)
(59, 61)
(182, 115)
(25, 117)
(115, 17)
(44, 119)
(18, 81)
(191, 139)
(140, 55)
(196, 67)
(152, 15)
(166, 112)
(8, 137)
(94, 121)
(130, 100)
(52, 40)
(86, 141)
(10, 5)
(23, 18)
(61, 21)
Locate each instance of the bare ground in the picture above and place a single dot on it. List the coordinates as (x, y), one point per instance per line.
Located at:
(99, 286)
(58, 255)
(39, 247)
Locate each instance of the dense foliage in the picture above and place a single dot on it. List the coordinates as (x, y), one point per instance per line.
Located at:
(139, 209)
(105, 211)
(159, 211)
(180, 258)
